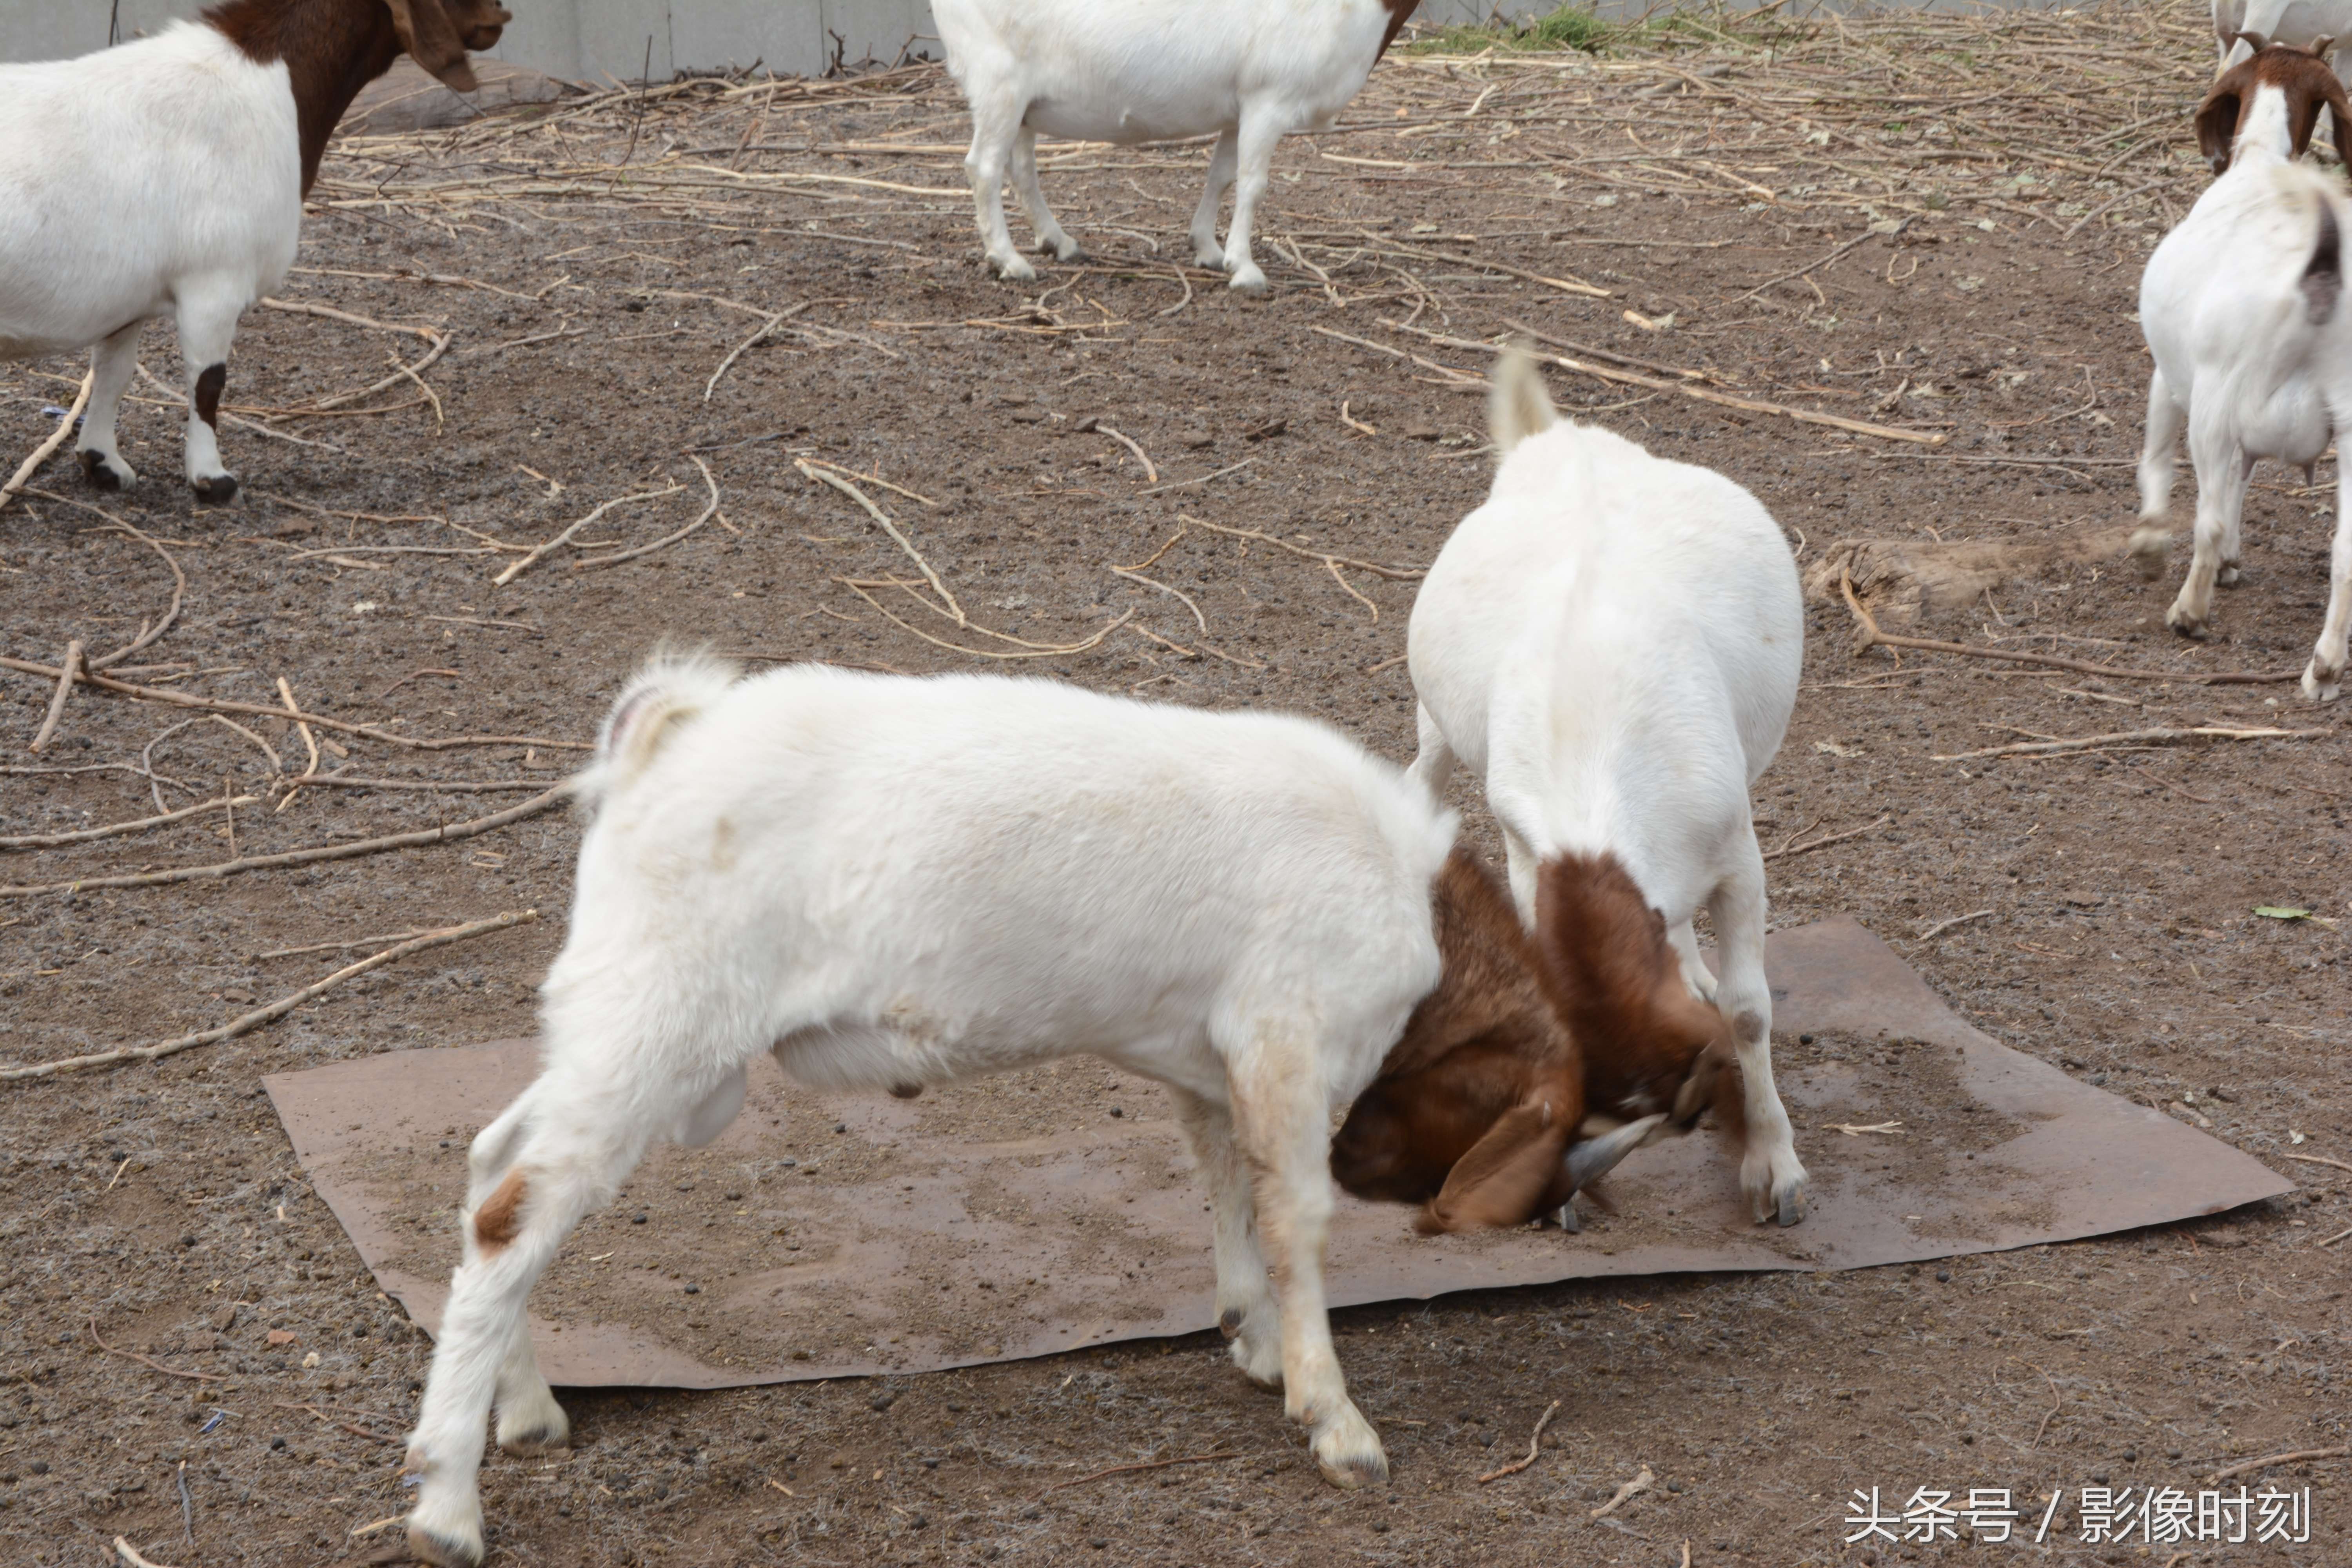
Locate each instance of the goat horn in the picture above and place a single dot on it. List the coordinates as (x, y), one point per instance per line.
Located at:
(2254, 40)
(1590, 1161)
(2319, 50)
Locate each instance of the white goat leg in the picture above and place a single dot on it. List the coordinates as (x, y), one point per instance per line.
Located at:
(1282, 1118)
(207, 317)
(1052, 238)
(2323, 677)
(1205, 250)
(1770, 1172)
(2152, 541)
(1246, 1313)
(995, 127)
(1683, 939)
(1434, 761)
(1253, 158)
(2220, 471)
(113, 364)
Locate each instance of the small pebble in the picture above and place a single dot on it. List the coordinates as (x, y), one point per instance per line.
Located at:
(694, 1290)
(1943, 1277)
(840, 1127)
(637, 1218)
(1116, 1111)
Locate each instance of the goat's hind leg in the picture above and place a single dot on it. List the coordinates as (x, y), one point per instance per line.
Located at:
(1254, 146)
(1052, 238)
(208, 319)
(1282, 1121)
(2152, 541)
(2222, 473)
(1432, 759)
(2323, 677)
(113, 364)
(548, 1160)
(1205, 250)
(1246, 1313)
(1770, 1172)
(995, 129)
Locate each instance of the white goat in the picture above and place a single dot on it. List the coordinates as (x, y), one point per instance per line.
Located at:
(1150, 70)
(1613, 642)
(2240, 306)
(2241, 27)
(892, 881)
(166, 176)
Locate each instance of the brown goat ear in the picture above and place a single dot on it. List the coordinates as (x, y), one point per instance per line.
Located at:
(1506, 1176)
(2217, 125)
(430, 36)
(2340, 116)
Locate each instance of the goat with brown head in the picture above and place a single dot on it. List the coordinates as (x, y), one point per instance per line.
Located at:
(2302, 77)
(1539, 1061)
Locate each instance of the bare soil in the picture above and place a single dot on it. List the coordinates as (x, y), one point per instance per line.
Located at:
(158, 1204)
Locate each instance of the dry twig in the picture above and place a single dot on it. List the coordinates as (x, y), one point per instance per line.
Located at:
(84, 834)
(1639, 1483)
(261, 1015)
(1535, 1445)
(68, 667)
(42, 453)
(824, 476)
(1128, 1470)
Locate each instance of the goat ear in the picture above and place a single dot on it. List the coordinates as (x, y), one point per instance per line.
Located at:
(2340, 116)
(431, 38)
(2322, 47)
(1506, 1176)
(2217, 127)
(1517, 407)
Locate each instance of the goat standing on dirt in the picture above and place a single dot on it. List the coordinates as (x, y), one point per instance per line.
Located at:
(2242, 308)
(1613, 642)
(2241, 27)
(1152, 70)
(166, 176)
(890, 881)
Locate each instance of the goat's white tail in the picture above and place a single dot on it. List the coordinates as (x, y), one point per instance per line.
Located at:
(665, 692)
(1517, 407)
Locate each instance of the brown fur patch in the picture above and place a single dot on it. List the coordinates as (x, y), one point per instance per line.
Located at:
(332, 48)
(209, 387)
(1400, 13)
(500, 1216)
(2308, 83)
(1487, 1042)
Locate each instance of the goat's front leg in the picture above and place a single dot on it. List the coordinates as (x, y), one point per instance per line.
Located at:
(111, 365)
(2220, 494)
(207, 319)
(1282, 1120)
(995, 126)
(1205, 250)
(1051, 236)
(1253, 158)
(1683, 939)
(2233, 547)
(1246, 1313)
(2153, 539)
(2323, 677)
(1434, 759)
(1770, 1172)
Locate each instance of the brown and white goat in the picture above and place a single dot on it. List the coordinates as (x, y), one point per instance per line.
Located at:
(166, 176)
(1541, 1059)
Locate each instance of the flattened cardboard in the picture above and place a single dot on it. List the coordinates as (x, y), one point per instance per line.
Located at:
(824, 1236)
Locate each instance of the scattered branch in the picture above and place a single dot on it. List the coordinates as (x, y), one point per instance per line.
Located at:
(825, 477)
(42, 453)
(1535, 1445)
(67, 670)
(1128, 1470)
(540, 552)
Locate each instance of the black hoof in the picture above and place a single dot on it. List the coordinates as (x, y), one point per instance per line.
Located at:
(98, 472)
(217, 490)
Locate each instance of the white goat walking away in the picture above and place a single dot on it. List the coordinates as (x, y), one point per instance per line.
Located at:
(889, 881)
(2242, 306)
(2243, 27)
(1613, 642)
(166, 176)
(1152, 70)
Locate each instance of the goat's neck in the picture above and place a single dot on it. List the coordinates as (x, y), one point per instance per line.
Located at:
(2266, 135)
(331, 48)
(1491, 988)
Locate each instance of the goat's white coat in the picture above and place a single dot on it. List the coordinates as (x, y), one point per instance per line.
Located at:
(2301, 23)
(1147, 71)
(888, 880)
(160, 178)
(2241, 365)
(1613, 643)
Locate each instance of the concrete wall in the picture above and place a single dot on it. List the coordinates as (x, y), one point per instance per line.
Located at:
(591, 39)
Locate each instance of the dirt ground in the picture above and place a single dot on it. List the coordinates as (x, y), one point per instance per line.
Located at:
(587, 309)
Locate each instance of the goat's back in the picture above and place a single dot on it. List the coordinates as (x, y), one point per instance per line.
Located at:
(123, 170)
(1005, 865)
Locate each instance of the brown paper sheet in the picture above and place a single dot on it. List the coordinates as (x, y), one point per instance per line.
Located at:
(983, 1223)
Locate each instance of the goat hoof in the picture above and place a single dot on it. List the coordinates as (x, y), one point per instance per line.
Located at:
(102, 473)
(540, 1426)
(1062, 247)
(1014, 270)
(2229, 576)
(2322, 686)
(215, 489)
(446, 1549)
(1247, 280)
(1348, 1451)
(2149, 547)
(1210, 257)
(1789, 1207)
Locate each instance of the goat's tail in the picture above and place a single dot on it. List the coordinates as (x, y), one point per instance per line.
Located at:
(1517, 407)
(2323, 274)
(667, 690)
